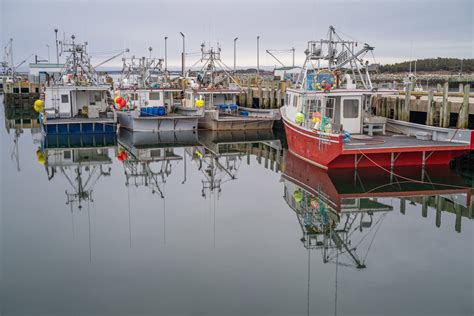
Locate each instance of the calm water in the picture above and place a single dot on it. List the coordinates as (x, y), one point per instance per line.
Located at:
(241, 229)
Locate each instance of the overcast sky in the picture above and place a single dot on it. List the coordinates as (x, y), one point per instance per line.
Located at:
(399, 29)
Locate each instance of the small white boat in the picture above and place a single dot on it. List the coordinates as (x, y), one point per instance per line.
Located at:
(153, 104)
(218, 91)
(77, 102)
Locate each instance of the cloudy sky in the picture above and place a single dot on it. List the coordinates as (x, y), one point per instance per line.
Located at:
(399, 29)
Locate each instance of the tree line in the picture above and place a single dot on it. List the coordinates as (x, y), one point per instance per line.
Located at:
(432, 64)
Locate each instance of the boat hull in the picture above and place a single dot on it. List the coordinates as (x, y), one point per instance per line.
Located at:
(326, 151)
(214, 121)
(157, 123)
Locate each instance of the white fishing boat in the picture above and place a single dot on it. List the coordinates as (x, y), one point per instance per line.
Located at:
(214, 88)
(78, 101)
(153, 102)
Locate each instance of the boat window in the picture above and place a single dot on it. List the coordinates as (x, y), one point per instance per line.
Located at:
(286, 99)
(330, 102)
(350, 108)
(295, 100)
(97, 97)
(64, 98)
(67, 154)
(314, 105)
(133, 96)
(154, 96)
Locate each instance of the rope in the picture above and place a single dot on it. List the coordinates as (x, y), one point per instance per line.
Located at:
(409, 179)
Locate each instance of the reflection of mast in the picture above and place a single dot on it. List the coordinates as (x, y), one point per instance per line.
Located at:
(82, 190)
(15, 153)
(215, 173)
(141, 173)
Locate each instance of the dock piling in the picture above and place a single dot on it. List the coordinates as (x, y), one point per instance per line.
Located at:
(463, 118)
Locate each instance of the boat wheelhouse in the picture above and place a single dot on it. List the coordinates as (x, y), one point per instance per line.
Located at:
(77, 102)
(216, 90)
(328, 120)
(153, 102)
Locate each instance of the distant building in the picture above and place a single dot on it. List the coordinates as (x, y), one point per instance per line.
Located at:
(374, 67)
(287, 73)
(40, 72)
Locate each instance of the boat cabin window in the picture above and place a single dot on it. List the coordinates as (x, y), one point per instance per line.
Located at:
(314, 106)
(133, 96)
(64, 98)
(154, 96)
(97, 97)
(350, 108)
(330, 103)
(67, 154)
(295, 100)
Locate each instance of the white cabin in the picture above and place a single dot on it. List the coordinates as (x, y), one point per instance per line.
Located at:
(71, 101)
(153, 97)
(211, 97)
(343, 107)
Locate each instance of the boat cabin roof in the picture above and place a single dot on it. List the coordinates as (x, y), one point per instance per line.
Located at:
(79, 88)
(151, 89)
(340, 92)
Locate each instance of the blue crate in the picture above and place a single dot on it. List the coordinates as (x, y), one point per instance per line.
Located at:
(63, 128)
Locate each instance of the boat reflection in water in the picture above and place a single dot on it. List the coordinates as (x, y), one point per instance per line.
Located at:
(221, 153)
(18, 118)
(341, 211)
(337, 207)
(150, 157)
(81, 159)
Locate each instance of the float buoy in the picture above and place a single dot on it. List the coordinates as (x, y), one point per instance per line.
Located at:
(38, 105)
(299, 118)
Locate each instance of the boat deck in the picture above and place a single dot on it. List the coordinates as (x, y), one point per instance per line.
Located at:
(395, 141)
(167, 117)
(244, 118)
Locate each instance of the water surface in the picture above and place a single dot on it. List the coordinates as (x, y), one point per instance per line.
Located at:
(227, 224)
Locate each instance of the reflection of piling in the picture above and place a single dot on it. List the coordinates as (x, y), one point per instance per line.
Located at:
(441, 204)
(438, 210)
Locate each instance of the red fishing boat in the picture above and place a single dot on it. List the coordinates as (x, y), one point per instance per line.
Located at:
(328, 119)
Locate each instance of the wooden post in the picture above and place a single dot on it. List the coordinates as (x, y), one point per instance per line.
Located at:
(406, 107)
(272, 95)
(444, 114)
(278, 97)
(430, 109)
(463, 118)
(249, 94)
(385, 107)
(259, 95)
(395, 108)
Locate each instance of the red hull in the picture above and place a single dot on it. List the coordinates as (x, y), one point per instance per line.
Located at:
(327, 152)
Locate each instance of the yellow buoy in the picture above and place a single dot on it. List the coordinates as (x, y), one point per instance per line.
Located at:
(38, 105)
(298, 196)
(199, 103)
(40, 157)
(299, 118)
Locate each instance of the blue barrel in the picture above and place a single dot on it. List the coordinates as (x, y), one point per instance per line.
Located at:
(244, 113)
(161, 111)
(154, 111)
